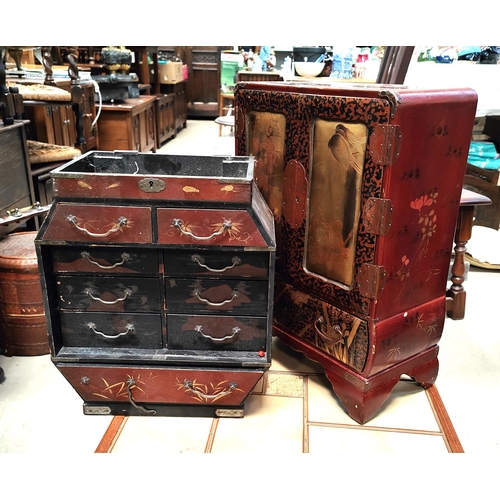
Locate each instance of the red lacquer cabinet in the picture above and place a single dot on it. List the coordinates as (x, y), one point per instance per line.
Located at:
(364, 182)
(157, 278)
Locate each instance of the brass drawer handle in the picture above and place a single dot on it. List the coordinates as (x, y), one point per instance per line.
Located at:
(125, 257)
(199, 329)
(337, 329)
(92, 326)
(122, 221)
(130, 385)
(180, 226)
(201, 299)
(189, 385)
(200, 261)
(128, 293)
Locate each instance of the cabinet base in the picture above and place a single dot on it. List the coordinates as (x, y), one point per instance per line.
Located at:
(163, 410)
(362, 397)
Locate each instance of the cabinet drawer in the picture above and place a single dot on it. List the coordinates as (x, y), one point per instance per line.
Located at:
(243, 297)
(107, 383)
(141, 331)
(108, 293)
(104, 260)
(94, 223)
(217, 263)
(178, 226)
(228, 333)
(334, 331)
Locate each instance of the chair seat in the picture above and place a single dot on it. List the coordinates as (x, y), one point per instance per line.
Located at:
(225, 120)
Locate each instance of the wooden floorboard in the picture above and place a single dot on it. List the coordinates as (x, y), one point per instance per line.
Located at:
(444, 421)
(111, 435)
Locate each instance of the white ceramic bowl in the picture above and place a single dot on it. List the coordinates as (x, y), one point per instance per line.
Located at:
(309, 69)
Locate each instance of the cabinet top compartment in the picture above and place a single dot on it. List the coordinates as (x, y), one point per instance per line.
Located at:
(133, 175)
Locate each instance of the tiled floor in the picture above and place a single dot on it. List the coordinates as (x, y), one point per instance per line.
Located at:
(293, 409)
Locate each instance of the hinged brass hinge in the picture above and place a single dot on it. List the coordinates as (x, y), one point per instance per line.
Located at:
(377, 215)
(385, 144)
(370, 280)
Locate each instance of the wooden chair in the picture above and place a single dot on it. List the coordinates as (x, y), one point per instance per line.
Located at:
(227, 119)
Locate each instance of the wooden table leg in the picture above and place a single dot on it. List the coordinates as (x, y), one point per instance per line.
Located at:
(456, 293)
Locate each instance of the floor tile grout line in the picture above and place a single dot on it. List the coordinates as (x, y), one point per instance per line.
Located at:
(443, 419)
(398, 430)
(305, 415)
(211, 435)
(112, 434)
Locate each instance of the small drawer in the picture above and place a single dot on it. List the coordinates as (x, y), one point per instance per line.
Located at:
(107, 330)
(217, 263)
(179, 226)
(113, 293)
(334, 331)
(241, 297)
(106, 260)
(228, 333)
(107, 383)
(99, 223)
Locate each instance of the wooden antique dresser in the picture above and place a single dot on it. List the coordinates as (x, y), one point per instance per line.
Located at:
(364, 182)
(157, 275)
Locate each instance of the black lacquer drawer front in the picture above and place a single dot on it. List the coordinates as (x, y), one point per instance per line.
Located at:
(109, 293)
(141, 331)
(105, 260)
(217, 263)
(244, 297)
(229, 333)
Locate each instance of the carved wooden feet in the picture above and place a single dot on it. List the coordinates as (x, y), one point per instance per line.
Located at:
(363, 396)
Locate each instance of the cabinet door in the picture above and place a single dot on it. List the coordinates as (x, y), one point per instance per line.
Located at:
(136, 132)
(203, 84)
(68, 125)
(89, 132)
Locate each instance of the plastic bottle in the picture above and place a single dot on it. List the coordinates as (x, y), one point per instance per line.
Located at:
(336, 64)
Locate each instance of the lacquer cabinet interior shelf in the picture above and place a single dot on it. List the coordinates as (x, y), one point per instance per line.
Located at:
(158, 276)
(128, 125)
(365, 183)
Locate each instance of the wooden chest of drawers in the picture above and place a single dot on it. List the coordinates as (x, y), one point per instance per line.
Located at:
(157, 277)
(364, 182)
(128, 125)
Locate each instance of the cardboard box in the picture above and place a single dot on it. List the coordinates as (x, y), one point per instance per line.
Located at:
(170, 72)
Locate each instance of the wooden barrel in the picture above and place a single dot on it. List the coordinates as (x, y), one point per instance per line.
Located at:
(23, 330)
